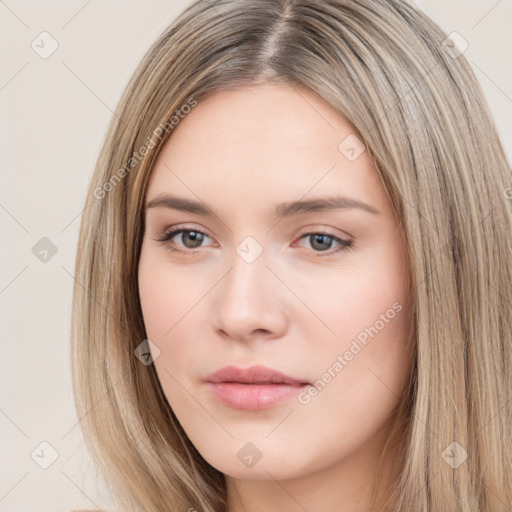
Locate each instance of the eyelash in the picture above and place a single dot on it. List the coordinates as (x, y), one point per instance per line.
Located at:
(344, 245)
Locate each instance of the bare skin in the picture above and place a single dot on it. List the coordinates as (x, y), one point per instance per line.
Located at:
(301, 306)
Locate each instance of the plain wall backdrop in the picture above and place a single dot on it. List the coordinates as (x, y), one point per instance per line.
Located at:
(55, 109)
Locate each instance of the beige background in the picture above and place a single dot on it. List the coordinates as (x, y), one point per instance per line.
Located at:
(54, 115)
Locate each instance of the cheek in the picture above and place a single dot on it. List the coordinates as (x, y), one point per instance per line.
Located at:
(362, 300)
(167, 294)
(368, 313)
(360, 372)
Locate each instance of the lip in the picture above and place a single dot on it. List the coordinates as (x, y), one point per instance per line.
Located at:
(254, 388)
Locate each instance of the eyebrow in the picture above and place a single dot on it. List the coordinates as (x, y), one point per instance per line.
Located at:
(281, 210)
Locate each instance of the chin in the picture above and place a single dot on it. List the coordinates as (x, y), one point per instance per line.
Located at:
(246, 464)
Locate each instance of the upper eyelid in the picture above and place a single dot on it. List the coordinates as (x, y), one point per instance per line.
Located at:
(306, 230)
(178, 229)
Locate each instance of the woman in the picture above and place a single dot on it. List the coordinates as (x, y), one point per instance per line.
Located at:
(293, 274)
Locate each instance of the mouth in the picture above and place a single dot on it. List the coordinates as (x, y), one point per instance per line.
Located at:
(254, 388)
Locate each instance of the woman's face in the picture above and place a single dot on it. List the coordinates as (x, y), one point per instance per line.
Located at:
(286, 255)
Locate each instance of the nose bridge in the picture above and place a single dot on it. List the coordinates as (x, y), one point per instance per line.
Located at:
(247, 281)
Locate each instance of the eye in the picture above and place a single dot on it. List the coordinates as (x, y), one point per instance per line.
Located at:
(190, 238)
(322, 242)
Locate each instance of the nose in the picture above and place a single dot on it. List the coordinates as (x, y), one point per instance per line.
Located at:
(250, 301)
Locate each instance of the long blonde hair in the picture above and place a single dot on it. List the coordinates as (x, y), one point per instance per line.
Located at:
(415, 101)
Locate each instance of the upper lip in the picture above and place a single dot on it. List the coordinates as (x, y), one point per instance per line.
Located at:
(257, 374)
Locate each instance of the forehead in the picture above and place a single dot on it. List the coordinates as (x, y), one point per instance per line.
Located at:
(268, 142)
(269, 117)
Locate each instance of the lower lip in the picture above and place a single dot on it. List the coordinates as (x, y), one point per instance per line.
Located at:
(253, 397)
